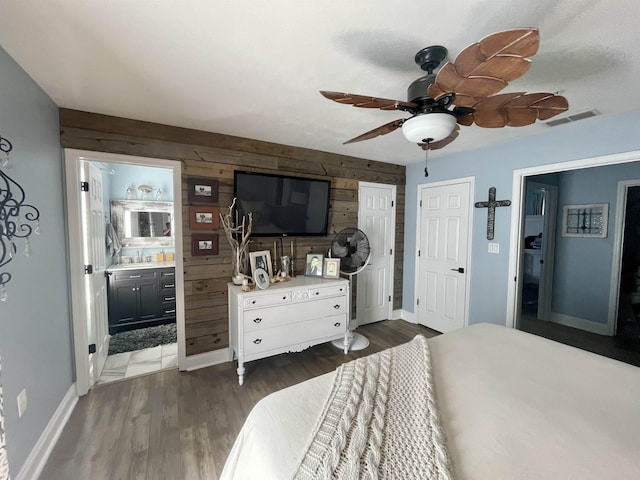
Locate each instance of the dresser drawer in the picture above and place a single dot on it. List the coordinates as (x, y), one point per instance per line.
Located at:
(298, 333)
(270, 317)
(327, 291)
(281, 298)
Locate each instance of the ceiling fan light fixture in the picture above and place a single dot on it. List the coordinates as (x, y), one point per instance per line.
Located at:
(431, 127)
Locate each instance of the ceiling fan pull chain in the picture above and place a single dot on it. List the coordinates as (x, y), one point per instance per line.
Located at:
(426, 158)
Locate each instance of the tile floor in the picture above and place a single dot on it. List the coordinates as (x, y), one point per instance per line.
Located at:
(139, 362)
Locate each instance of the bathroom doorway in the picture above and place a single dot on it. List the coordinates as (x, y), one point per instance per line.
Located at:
(83, 322)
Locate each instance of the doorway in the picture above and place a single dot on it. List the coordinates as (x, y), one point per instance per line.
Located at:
(376, 218)
(627, 328)
(608, 266)
(442, 273)
(539, 212)
(81, 316)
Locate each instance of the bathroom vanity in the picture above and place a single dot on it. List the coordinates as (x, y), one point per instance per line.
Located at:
(141, 295)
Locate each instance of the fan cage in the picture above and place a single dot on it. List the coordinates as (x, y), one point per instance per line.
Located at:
(352, 247)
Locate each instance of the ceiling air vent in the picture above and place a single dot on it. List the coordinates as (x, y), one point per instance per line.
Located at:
(572, 118)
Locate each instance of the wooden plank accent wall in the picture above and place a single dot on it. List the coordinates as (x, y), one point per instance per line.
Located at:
(205, 154)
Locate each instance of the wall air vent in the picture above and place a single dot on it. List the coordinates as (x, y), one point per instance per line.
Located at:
(572, 118)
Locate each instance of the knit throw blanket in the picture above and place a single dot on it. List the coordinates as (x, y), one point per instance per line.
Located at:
(380, 421)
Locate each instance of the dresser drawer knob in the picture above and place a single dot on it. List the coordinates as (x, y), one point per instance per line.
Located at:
(317, 293)
(169, 285)
(257, 341)
(257, 320)
(170, 311)
(253, 301)
(284, 298)
(337, 324)
(168, 299)
(336, 306)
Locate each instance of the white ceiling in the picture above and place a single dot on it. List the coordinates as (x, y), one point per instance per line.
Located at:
(253, 68)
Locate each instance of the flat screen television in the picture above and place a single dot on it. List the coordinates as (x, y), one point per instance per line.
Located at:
(282, 205)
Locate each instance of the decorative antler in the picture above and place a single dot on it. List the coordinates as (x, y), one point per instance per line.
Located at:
(238, 236)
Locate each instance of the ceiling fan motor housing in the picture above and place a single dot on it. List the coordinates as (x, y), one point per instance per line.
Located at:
(417, 91)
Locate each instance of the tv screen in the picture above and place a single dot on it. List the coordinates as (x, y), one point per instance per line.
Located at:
(282, 205)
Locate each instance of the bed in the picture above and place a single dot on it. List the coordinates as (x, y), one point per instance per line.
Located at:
(511, 406)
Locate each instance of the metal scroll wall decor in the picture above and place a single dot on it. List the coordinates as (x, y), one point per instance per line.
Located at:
(18, 219)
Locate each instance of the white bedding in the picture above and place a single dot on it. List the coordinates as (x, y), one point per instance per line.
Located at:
(512, 405)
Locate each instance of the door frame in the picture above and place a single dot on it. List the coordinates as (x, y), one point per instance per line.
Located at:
(516, 240)
(471, 181)
(74, 231)
(393, 190)
(548, 250)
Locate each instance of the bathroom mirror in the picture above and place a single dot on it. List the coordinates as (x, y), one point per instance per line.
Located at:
(141, 223)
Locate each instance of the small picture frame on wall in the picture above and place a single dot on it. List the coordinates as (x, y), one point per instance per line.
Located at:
(202, 190)
(585, 221)
(261, 259)
(313, 266)
(331, 268)
(204, 218)
(204, 244)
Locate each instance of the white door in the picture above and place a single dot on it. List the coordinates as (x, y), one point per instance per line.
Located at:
(443, 254)
(94, 255)
(376, 218)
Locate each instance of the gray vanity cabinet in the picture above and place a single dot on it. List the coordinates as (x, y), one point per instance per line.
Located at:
(140, 298)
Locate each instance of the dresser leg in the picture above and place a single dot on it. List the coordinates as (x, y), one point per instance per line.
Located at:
(240, 371)
(346, 342)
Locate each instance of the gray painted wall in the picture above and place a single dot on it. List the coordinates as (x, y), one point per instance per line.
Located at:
(35, 326)
(494, 166)
(582, 266)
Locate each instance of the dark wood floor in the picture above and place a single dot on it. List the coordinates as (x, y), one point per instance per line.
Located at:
(181, 425)
(623, 348)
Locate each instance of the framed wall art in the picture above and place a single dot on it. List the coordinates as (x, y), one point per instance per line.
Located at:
(202, 190)
(204, 244)
(588, 221)
(204, 218)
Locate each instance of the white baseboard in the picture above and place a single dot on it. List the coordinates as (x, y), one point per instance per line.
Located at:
(207, 359)
(39, 455)
(581, 323)
(396, 315)
(408, 316)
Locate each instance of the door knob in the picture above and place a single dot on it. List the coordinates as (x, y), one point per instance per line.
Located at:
(459, 270)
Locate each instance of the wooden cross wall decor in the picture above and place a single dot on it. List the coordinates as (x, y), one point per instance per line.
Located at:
(491, 213)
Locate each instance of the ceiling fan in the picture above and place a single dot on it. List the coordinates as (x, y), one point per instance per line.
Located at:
(463, 92)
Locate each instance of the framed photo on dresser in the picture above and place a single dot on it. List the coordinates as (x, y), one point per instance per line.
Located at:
(261, 259)
(313, 266)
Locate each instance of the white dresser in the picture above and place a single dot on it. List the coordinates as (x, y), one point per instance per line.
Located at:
(286, 317)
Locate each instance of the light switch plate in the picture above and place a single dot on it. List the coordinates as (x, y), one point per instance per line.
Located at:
(22, 402)
(494, 248)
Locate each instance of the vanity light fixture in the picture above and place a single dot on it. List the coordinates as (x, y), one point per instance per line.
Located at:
(145, 190)
(18, 219)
